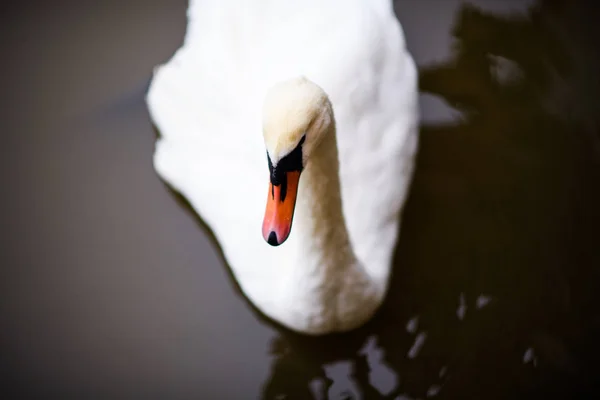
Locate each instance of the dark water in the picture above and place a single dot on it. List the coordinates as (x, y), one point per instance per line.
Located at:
(111, 289)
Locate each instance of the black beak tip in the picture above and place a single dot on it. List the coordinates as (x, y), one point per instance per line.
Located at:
(272, 240)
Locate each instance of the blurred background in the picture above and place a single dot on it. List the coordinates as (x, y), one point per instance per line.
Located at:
(111, 288)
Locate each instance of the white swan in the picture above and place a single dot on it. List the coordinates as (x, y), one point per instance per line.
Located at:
(307, 81)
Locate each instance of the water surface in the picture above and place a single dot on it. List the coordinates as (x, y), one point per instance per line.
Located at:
(112, 288)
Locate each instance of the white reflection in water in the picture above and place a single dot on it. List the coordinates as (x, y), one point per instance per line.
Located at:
(503, 70)
(433, 390)
(343, 386)
(412, 325)
(417, 345)
(381, 377)
(316, 387)
(437, 110)
(462, 307)
(482, 301)
(529, 356)
(443, 371)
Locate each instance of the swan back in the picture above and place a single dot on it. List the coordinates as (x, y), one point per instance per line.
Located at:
(207, 103)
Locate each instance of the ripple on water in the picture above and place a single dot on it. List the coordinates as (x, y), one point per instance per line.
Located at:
(412, 325)
(417, 345)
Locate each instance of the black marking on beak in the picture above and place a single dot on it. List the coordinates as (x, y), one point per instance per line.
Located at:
(272, 240)
(291, 162)
(284, 185)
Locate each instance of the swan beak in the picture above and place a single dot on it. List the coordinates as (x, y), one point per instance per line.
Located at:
(281, 202)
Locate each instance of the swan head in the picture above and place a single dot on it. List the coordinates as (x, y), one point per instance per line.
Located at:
(297, 114)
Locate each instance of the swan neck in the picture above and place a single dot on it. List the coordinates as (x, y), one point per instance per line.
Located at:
(320, 221)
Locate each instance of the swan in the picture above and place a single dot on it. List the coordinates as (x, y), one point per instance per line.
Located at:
(291, 127)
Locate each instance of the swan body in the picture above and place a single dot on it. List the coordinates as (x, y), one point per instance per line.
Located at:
(319, 94)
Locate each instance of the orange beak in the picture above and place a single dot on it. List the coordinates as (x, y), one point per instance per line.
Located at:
(281, 202)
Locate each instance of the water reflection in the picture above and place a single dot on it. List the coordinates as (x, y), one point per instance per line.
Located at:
(491, 288)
